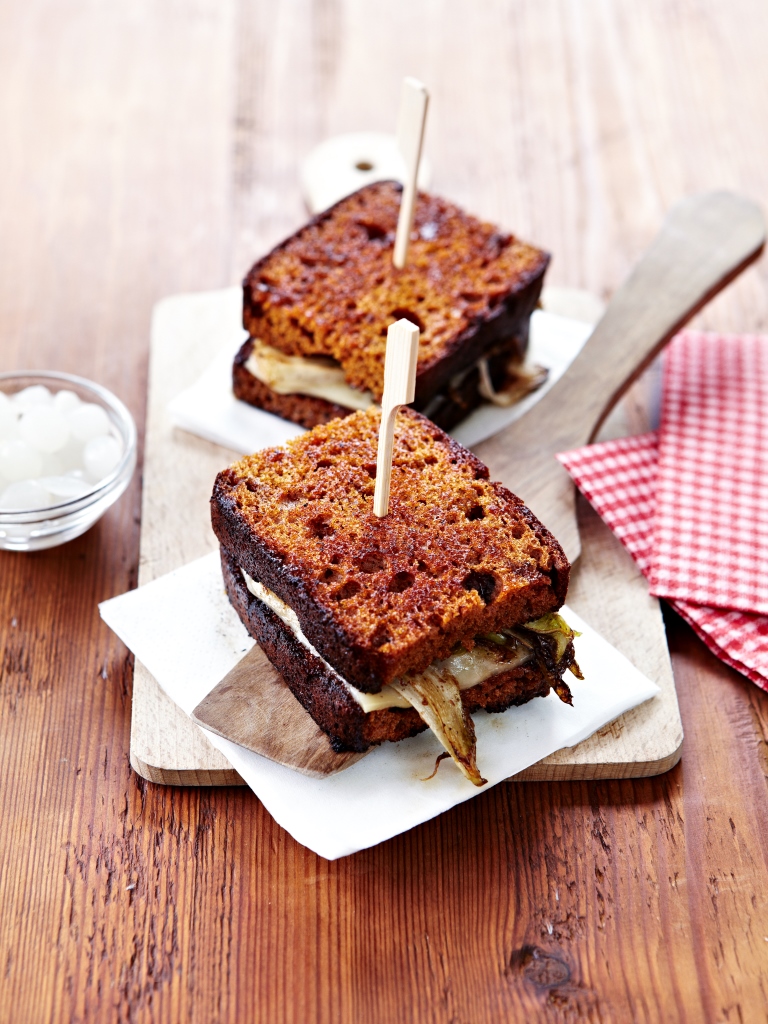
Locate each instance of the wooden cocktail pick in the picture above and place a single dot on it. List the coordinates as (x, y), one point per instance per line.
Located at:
(399, 389)
(410, 135)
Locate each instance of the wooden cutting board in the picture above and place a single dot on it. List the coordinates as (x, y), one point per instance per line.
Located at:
(179, 468)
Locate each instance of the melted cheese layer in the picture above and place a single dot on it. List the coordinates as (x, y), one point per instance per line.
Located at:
(320, 377)
(468, 668)
(317, 376)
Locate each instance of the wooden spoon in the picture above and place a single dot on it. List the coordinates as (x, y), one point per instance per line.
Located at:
(705, 242)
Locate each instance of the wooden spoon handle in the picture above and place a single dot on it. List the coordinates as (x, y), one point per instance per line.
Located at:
(704, 243)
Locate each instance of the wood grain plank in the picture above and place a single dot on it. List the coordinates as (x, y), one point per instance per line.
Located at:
(576, 124)
(98, 146)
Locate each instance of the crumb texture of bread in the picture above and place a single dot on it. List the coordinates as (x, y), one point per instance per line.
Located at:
(330, 704)
(331, 289)
(457, 555)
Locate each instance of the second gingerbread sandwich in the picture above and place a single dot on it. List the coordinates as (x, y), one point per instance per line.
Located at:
(315, 305)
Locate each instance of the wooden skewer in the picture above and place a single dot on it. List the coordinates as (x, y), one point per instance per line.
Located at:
(399, 389)
(410, 135)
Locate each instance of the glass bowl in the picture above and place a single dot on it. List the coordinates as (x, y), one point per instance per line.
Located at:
(36, 529)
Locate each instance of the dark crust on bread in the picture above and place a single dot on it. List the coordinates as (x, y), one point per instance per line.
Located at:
(446, 409)
(321, 693)
(457, 555)
(331, 288)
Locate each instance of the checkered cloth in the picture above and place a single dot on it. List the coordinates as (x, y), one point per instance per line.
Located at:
(711, 525)
(672, 517)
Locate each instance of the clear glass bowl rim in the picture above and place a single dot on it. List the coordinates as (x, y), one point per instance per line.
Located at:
(127, 427)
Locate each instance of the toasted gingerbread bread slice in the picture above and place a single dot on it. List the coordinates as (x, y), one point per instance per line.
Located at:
(456, 556)
(331, 289)
(321, 693)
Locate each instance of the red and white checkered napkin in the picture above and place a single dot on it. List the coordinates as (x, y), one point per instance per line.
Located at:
(618, 478)
(711, 526)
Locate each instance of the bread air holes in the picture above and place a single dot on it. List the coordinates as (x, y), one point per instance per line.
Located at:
(374, 232)
(349, 589)
(483, 582)
(476, 512)
(371, 561)
(320, 527)
(400, 581)
(329, 575)
(301, 328)
(407, 314)
(497, 243)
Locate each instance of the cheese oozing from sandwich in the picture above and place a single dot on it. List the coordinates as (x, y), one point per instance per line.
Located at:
(322, 377)
(316, 376)
(466, 668)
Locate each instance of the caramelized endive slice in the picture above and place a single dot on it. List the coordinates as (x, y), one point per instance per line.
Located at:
(521, 380)
(437, 698)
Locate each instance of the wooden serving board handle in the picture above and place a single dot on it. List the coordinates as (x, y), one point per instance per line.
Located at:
(704, 243)
(252, 706)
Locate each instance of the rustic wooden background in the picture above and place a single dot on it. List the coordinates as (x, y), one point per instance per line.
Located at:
(150, 148)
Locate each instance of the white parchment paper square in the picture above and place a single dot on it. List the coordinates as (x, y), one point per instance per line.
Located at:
(182, 627)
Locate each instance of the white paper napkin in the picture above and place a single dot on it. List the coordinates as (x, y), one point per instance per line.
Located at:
(182, 627)
(209, 408)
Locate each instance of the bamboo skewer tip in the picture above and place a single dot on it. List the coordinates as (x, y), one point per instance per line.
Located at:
(414, 100)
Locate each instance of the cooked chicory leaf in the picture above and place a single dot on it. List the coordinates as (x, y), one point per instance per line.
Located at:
(548, 638)
(437, 698)
(554, 625)
(495, 638)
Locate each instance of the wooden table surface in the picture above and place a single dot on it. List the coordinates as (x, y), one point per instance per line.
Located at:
(150, 148)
